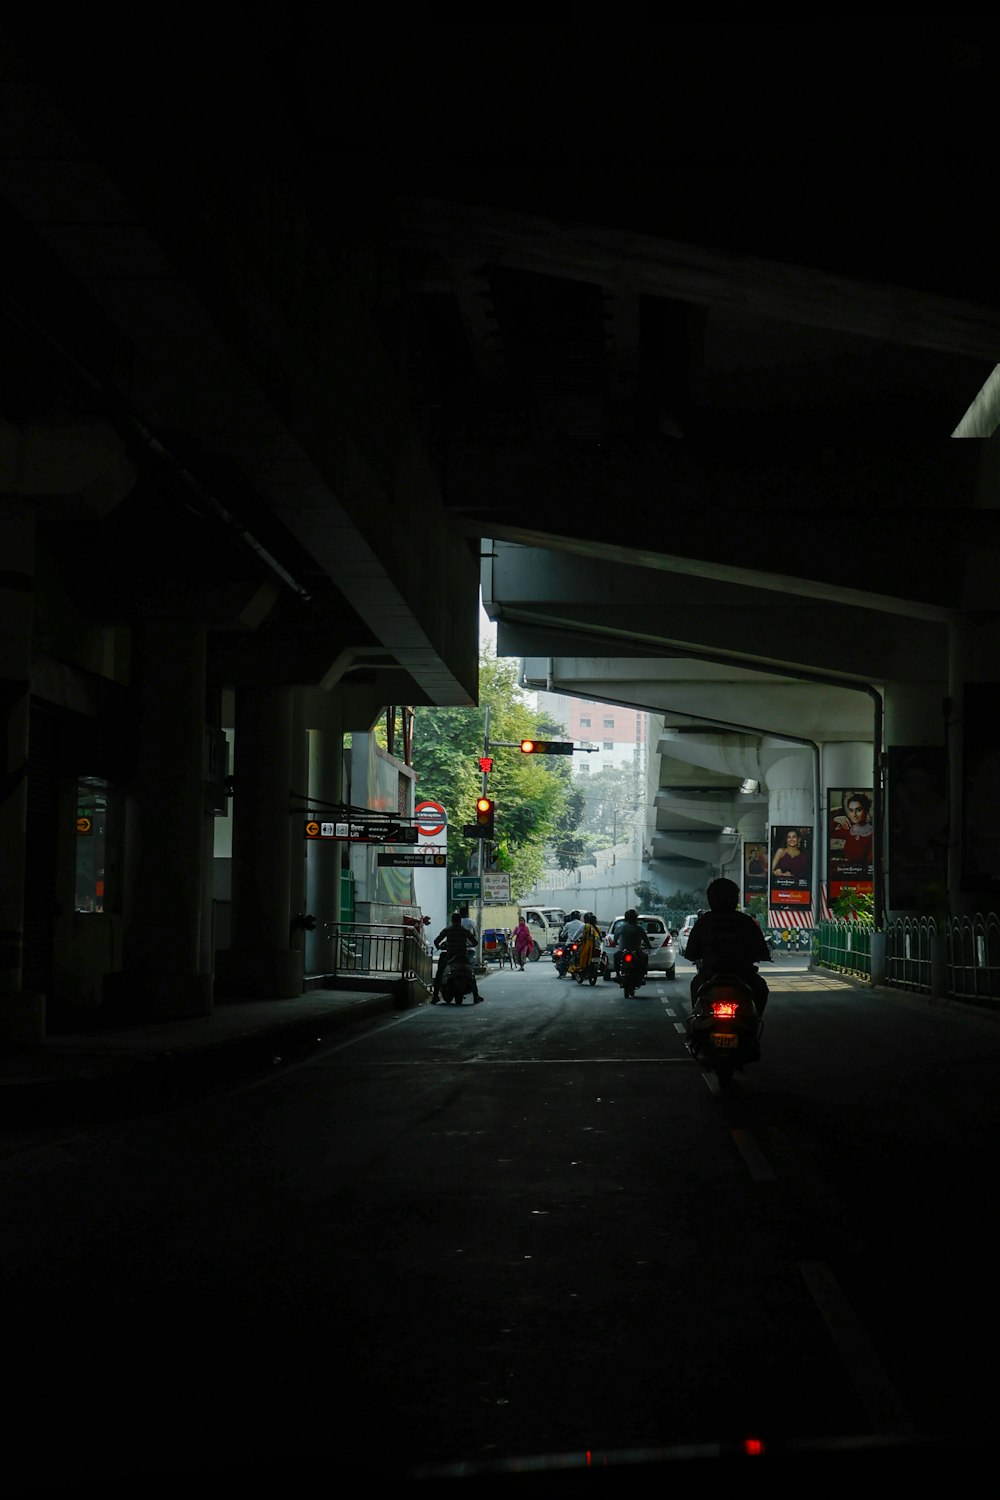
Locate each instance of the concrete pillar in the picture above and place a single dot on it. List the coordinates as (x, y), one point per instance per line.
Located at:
(326, 780)
(846, 767)
(166, 967)
(790, 776)
(915, 715)
(261, 962)
(974, 771)
(22, 1015)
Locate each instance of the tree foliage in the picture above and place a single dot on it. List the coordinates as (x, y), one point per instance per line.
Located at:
(533, 794)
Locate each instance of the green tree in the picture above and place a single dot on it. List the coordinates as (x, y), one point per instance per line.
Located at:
(611, 798)
(569, 847)
(530, 792)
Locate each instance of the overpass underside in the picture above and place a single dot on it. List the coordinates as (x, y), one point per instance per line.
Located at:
(287, 364)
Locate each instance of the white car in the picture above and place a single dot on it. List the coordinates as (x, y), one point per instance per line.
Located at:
(685, 932)
(661, 944)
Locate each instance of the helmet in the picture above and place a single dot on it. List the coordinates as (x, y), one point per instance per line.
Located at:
(631, 915)
(723, 895)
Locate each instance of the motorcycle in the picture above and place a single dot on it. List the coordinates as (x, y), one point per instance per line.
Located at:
(630, 971)
(724, 1027)
(592, 972)
(457, 981)
(563, 954)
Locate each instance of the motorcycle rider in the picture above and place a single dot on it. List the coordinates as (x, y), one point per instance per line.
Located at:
(455, 942)
(569, 932)
(590, 943)
(727, 941)
(632, 937)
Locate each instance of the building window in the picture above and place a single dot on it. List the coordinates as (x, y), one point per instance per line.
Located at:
(584, 723)
(608, 745)
(609, 723)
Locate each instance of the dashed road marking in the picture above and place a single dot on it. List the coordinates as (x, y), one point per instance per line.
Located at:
(875, 1390)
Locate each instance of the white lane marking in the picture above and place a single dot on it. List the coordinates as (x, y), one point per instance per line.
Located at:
(760, 1167)
(875, 1390)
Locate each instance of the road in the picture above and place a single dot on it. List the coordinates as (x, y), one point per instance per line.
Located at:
(526, 1230)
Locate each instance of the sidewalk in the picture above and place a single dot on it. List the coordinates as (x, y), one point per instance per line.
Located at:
(89, 1075)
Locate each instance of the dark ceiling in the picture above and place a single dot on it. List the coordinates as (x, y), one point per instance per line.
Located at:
(749, 239)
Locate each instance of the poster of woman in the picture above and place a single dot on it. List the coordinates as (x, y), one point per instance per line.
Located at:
(850, 841)
(791, 866)
(754, 871)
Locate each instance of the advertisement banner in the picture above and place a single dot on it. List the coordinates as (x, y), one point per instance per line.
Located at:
(754, 871)
(791, 867)
(917, 816)
(850, 842)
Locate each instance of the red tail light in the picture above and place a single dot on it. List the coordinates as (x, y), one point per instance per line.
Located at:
(628, 958)
(724, 1010)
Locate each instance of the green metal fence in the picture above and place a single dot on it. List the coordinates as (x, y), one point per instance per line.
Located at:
(846, 946)
(909, 954)
(972, 946)
(956, 960)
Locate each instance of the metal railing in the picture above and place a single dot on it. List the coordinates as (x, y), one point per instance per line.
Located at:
(910, 944)
(972, 949)
(955, 959)
(846, 945)
(369, 952)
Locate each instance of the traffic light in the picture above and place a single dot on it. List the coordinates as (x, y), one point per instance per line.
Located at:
(546, 747)
(484, 816)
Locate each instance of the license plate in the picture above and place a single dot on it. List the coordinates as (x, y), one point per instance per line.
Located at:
(722, 1039)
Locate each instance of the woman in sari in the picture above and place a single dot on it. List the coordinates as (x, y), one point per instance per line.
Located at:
(590, 942)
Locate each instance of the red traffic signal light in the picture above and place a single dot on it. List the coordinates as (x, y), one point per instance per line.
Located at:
(485, 763)
(546, 747)
(484, 814)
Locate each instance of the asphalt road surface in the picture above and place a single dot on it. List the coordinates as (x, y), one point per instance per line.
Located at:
(523, 1237)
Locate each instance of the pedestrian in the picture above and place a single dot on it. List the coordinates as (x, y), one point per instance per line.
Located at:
(524, 943)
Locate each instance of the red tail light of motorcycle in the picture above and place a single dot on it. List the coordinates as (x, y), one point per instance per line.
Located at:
(627, 957)
(725, 1010)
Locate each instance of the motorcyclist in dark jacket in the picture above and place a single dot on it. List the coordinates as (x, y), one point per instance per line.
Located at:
(727, 941)
(632, 937)
(455, 942)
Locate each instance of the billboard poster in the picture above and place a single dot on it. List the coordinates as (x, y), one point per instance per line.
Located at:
(917, 822)
(980, 789)
(754, 871)
(791, 867)
(850, 841)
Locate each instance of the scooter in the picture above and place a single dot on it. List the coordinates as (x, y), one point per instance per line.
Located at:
(630, 971)
(724, 1027)
(457, 981)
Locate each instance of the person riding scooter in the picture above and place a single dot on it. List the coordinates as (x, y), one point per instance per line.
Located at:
(633, 938)
(727, 941)
(455, 942)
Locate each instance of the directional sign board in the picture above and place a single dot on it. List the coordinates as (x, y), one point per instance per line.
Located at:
(496, 885)
(367, 832)
(465, 888)
(413, 858)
